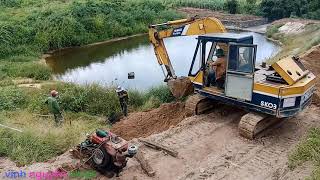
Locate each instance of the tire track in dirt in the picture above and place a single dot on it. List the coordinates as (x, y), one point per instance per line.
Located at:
(210, 148)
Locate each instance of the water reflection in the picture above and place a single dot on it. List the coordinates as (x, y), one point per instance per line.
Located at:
(110, 63)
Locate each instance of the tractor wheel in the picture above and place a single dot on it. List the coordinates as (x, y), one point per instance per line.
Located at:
(101, 160)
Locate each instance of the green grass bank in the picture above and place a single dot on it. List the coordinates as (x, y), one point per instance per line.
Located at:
(86, 108)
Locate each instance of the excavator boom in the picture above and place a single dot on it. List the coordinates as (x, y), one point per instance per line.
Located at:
(183, 27)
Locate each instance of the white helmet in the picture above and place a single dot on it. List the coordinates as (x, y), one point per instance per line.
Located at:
(119, 89)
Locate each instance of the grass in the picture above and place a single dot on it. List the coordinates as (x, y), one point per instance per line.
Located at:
(295, 44)
(87, 107)
(308, 150)
(40, 139)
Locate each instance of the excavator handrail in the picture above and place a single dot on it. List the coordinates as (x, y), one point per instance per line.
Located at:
(182, 27)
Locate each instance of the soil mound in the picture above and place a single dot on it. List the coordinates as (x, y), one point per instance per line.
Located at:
(143, 124)
(311, 59)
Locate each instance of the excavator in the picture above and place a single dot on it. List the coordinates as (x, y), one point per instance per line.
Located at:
(269, 93)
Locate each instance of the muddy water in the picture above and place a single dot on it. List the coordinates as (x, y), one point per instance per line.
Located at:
(110, 63)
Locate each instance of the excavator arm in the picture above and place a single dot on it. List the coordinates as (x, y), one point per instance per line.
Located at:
(183, 27)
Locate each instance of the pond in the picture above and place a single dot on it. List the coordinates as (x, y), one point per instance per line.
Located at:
(108, 64)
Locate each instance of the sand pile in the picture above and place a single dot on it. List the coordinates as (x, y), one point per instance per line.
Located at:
(292, 28)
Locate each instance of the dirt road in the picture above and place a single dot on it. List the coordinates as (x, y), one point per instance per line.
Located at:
(210, 147)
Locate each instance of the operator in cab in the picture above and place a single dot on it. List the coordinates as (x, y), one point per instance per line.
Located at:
(217, 70)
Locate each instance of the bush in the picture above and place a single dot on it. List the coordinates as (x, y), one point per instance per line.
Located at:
(249, 7)
(271, 30)
(204, 4)
(27, 69)
(97, 100)
(10, 3)
(162, 93)
(231, 6)
(277, 9)
(152, 102)
(92, 99)
(136, 99)
(12, 98)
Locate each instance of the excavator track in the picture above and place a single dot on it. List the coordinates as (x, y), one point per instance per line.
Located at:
(252, 124)
(197, 104)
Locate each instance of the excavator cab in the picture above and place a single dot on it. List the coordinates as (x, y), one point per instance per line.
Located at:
(240, 56)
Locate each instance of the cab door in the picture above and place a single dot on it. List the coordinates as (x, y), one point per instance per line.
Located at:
(240, 71)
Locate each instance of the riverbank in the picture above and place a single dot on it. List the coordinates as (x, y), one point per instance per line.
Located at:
(301, 37)
(31, 28)
(85, 106)
(35, 27)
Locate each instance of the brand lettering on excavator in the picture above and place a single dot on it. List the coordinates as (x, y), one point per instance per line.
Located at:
(268, 105)
(177, 31)
(307, 95)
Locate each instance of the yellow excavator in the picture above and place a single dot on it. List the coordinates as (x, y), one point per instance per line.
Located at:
(268, 93)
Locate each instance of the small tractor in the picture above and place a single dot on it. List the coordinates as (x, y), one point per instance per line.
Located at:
(281, 90)
(106, 151)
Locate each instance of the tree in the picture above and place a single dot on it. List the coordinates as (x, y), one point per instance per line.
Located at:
(277, 9)
(231, 6)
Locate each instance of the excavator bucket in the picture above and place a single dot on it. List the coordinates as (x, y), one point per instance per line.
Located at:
(180, 87)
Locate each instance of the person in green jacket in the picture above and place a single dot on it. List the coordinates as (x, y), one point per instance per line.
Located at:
(54, 107)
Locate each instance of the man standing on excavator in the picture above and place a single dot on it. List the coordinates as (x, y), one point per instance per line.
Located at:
(54, 107)
(123, 99)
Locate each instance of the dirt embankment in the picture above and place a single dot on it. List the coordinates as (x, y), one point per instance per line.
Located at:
(239, 20)
(294, 20)
(143, 124)
(311, 60)
(210, 147)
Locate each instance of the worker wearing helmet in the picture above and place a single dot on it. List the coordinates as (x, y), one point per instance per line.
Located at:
(123, 99)
(217, 75)
(54, 107)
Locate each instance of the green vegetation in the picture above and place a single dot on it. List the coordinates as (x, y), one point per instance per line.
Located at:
(231, 6)
(203, 4)
(40, 139)
(308, 150)
(29, 28)
(87, 107)
(277, 9)
(236, 6)
(272, 30)
(90, 99)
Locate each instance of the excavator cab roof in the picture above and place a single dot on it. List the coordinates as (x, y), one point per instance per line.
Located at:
(227, 37)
